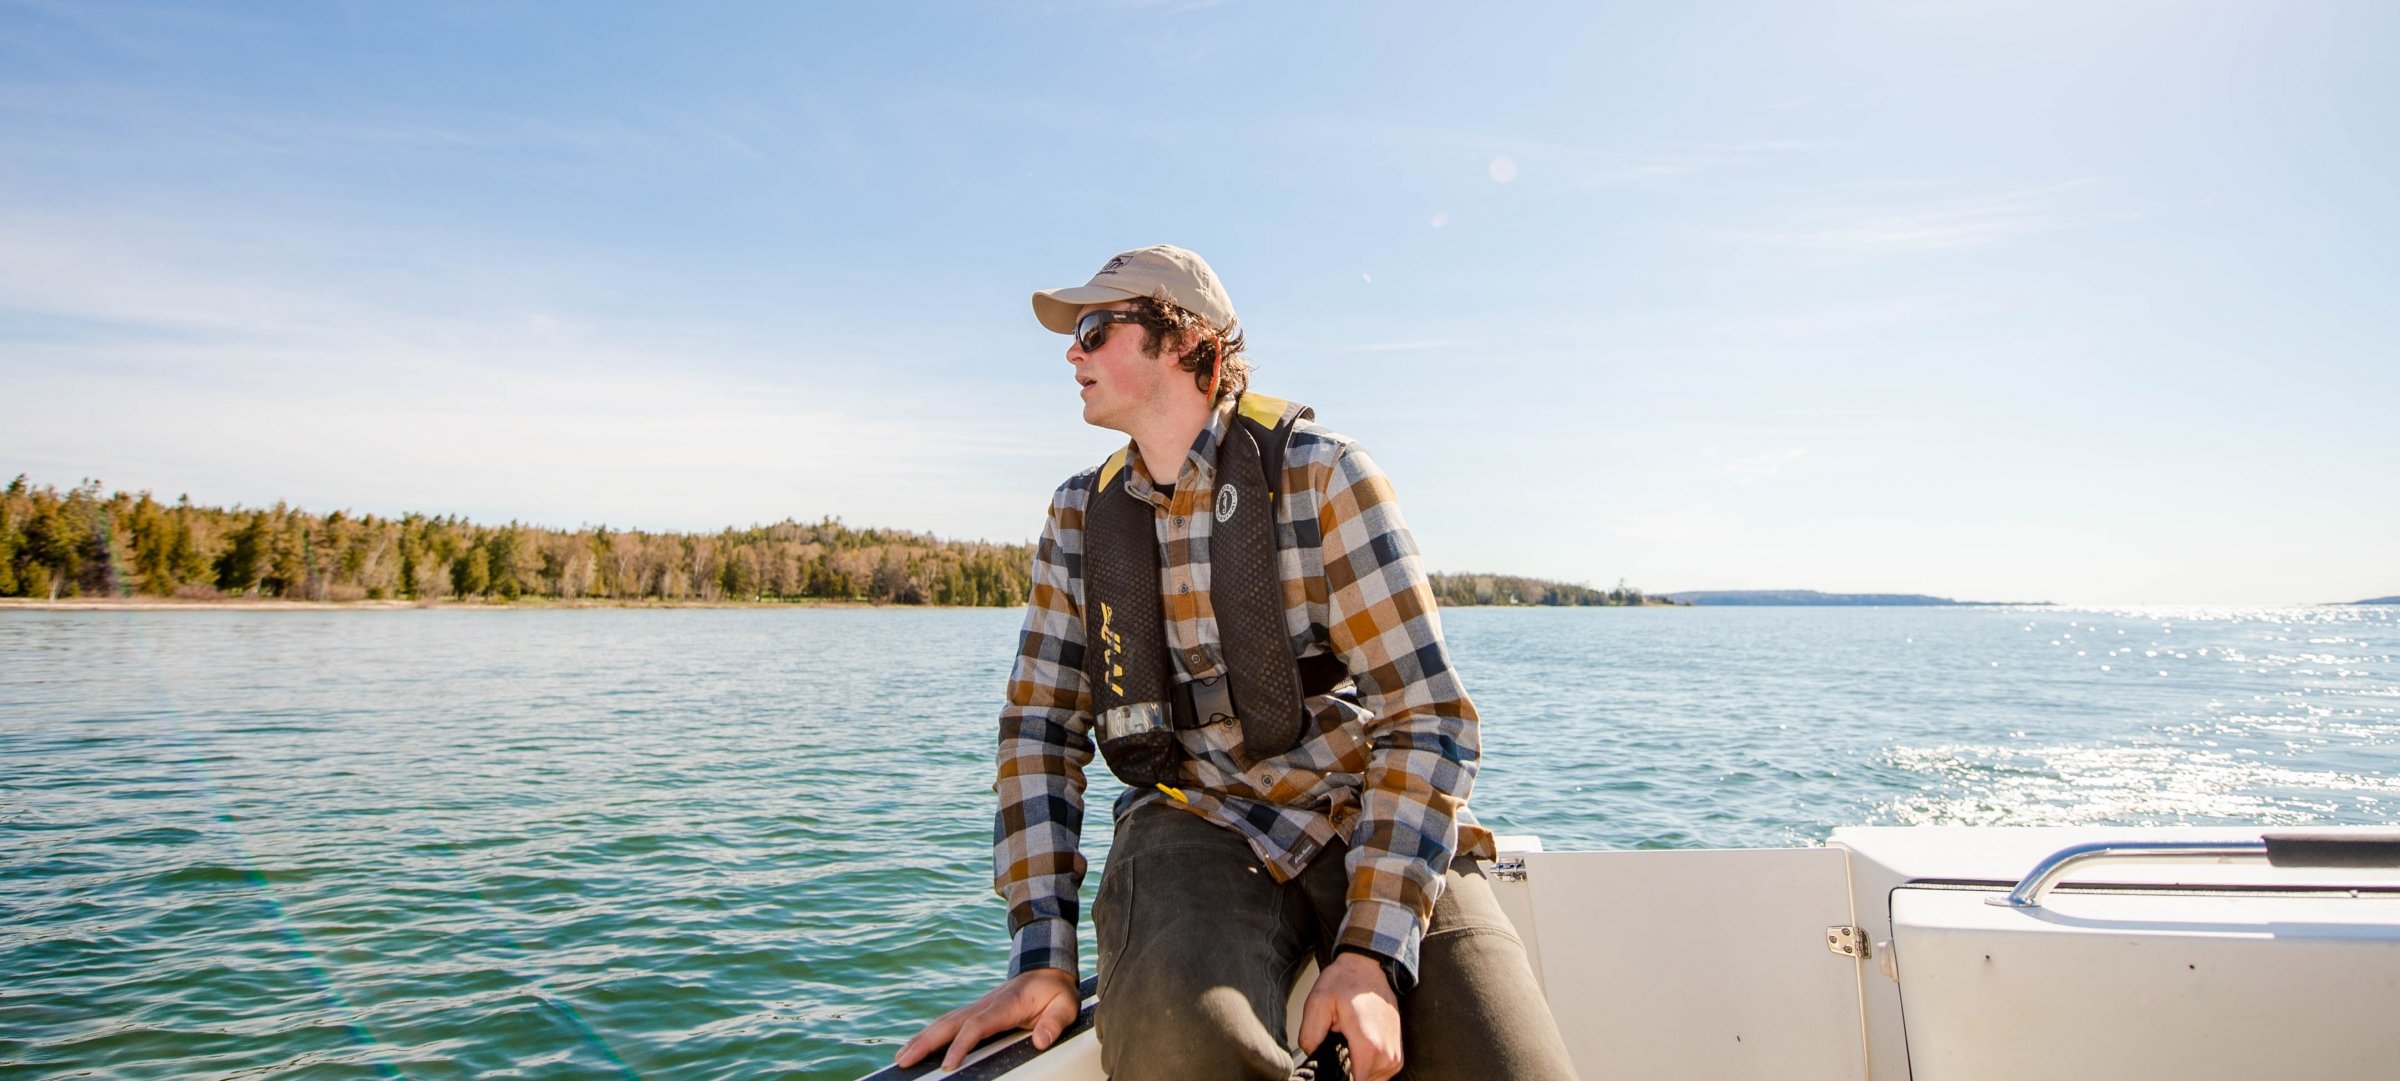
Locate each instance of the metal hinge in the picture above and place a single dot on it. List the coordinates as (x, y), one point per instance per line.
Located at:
(1509, 868)
(1846, 940)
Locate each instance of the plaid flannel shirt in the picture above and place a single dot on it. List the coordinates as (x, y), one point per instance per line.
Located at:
(1387, 768)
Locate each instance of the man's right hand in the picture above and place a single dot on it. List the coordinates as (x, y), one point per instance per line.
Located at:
(1042, 999)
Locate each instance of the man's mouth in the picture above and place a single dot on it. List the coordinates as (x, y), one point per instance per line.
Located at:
(1083, 382)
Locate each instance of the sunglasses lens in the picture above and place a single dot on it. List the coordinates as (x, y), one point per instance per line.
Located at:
(1091, 330)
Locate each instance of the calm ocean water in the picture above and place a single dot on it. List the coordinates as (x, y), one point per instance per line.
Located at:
(748, 843)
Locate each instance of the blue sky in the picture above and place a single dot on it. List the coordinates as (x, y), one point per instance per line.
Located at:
(2066, 301)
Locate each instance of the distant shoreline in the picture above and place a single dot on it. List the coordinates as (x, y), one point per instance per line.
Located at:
(1809, 598)
(535, 604)
(81, 550)
(273, 604)
(526, 604)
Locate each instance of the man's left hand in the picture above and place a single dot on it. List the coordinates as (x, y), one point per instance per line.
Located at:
(1353, 997)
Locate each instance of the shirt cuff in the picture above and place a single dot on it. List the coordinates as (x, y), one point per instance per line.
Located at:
(1386, 929)
(1044, 943)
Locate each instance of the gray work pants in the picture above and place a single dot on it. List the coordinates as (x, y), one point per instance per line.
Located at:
(1199, 947)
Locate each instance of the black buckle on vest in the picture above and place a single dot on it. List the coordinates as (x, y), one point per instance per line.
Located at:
(1198, 702)
(1201, 702)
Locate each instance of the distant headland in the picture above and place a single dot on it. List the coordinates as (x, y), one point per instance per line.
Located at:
(1506, 590)
(2375, 600)
(1812, 598)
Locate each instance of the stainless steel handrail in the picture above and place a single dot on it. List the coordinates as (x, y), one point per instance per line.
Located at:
(2037, 882)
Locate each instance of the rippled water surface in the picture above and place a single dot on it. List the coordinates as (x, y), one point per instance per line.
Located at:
(748, 843)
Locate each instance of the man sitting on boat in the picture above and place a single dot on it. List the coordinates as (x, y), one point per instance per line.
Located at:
(1232, 607)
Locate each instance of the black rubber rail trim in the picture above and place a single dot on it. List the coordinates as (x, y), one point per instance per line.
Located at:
(1008, 1058)
(2333, 850)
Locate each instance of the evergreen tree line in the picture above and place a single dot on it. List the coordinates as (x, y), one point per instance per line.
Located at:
(81, 543)
(1472, 589)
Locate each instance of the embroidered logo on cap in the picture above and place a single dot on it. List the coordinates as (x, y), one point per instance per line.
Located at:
(1112, 266)
(1226, 500)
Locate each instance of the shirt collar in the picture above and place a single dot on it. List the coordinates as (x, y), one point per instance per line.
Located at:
(1202, 457)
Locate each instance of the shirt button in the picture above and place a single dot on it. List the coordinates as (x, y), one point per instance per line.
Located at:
(1183, 589)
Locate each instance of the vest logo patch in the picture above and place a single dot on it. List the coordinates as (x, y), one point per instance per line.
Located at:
(1112, 647)
(1226, 501)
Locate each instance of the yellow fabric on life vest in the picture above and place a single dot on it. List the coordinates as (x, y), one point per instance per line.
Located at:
(1109, 468)
(1266, 409)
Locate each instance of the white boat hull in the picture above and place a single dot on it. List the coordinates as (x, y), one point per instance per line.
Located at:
(1884, 956)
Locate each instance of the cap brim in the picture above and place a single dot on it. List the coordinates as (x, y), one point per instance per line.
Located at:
(1056, 308)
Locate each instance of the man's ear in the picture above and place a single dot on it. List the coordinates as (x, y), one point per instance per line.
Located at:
(1174, 352)
(1191, 339)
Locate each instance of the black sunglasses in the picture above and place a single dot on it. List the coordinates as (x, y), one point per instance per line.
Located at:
(1092, 329)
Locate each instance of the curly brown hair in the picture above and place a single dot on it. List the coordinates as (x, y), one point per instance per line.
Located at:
(1167, 322)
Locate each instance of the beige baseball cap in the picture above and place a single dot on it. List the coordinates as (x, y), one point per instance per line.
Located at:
(1177, 274)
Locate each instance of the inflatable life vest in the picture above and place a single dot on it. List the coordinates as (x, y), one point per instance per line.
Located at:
(1137, 704)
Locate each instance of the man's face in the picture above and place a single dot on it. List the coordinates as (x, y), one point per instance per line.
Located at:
(1121, 381)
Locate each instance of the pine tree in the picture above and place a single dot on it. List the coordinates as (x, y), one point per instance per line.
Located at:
(471, 574)
(12, 536)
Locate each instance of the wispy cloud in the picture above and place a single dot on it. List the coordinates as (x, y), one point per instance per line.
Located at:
(1381, 347)
(1571, 163)
(104, 119)
(1675, 525)
(1671, 163)
(1969, 221)
(1758, 467)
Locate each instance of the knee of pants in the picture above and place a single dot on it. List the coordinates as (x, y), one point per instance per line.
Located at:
(1479, 1011)
(1188, 1034)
